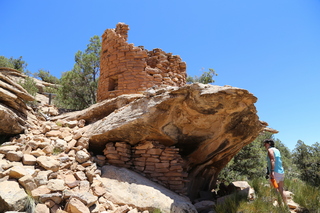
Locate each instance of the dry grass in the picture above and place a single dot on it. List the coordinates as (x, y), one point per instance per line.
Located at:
(306, 196)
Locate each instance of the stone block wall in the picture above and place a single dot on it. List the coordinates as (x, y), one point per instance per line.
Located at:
(157, 162)
(126, 69)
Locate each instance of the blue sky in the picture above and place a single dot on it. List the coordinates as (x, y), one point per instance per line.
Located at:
(271, 48)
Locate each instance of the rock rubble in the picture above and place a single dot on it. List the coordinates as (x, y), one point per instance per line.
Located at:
(50, 168)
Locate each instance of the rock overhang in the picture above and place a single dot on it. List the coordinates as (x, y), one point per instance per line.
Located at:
(209, 124)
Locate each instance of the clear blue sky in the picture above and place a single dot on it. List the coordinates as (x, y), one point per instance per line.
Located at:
(269, 47)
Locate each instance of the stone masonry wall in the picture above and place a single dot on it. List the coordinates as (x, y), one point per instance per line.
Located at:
(157, 162)
(126, 69)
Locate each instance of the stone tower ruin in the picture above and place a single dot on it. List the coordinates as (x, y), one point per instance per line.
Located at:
(126, 69)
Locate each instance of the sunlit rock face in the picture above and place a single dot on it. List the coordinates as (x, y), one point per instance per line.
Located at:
(14, 112)
(208, 124)
(180, 137)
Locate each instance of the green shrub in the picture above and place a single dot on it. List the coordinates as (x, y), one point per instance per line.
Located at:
(45, 75)
(265, 199)
(57, 151)
(231, 203)
(30, 85)
(156, 211)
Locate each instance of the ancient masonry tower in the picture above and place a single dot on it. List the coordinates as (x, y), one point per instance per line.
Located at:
(126, 69)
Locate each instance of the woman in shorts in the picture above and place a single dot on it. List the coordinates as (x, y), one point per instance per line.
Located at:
(276, 170)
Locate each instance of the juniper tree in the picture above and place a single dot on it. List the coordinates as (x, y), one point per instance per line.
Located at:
(79, 86)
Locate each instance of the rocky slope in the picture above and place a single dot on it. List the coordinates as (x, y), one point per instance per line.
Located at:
(50, 170)
(208, 125)
(179, 137)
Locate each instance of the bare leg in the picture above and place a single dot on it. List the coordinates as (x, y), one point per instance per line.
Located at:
(280, 189)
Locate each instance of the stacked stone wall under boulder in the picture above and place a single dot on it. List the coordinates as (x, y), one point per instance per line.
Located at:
(157, 162)
(127, 69)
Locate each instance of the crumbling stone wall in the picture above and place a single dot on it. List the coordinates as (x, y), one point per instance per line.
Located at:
(159, 163)
(126, 69)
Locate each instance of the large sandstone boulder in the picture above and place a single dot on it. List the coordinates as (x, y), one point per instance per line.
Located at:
(125, 186)
(209, 124)
(14, 123)
(12, 196)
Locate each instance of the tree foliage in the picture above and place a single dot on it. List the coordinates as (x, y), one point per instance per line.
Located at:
(46, 76)
(205, 78)
(251, 161)
(248, 163)
(79, 86)
(307, 159)
(30, 85)
(17, 64)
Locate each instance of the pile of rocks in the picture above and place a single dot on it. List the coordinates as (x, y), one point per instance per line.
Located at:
(159, 163)
(52, 165)
(118, 154)
(166, 68)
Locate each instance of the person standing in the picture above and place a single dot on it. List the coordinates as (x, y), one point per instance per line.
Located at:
(276, 170)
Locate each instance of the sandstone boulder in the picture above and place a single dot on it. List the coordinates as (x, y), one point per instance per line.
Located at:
(15, 123)
(243, 188)
(28, 183)
(42, 208)
(76, 206)
(125, 186)
(7, 149)
(48, 163)
(12, 196)
(82, 156)
(56, 185)
(17, 172)
(209, 124)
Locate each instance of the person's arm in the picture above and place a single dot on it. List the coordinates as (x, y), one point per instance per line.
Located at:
(273, 161)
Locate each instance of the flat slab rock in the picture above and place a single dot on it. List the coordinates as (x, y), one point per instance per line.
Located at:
(126, 186)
